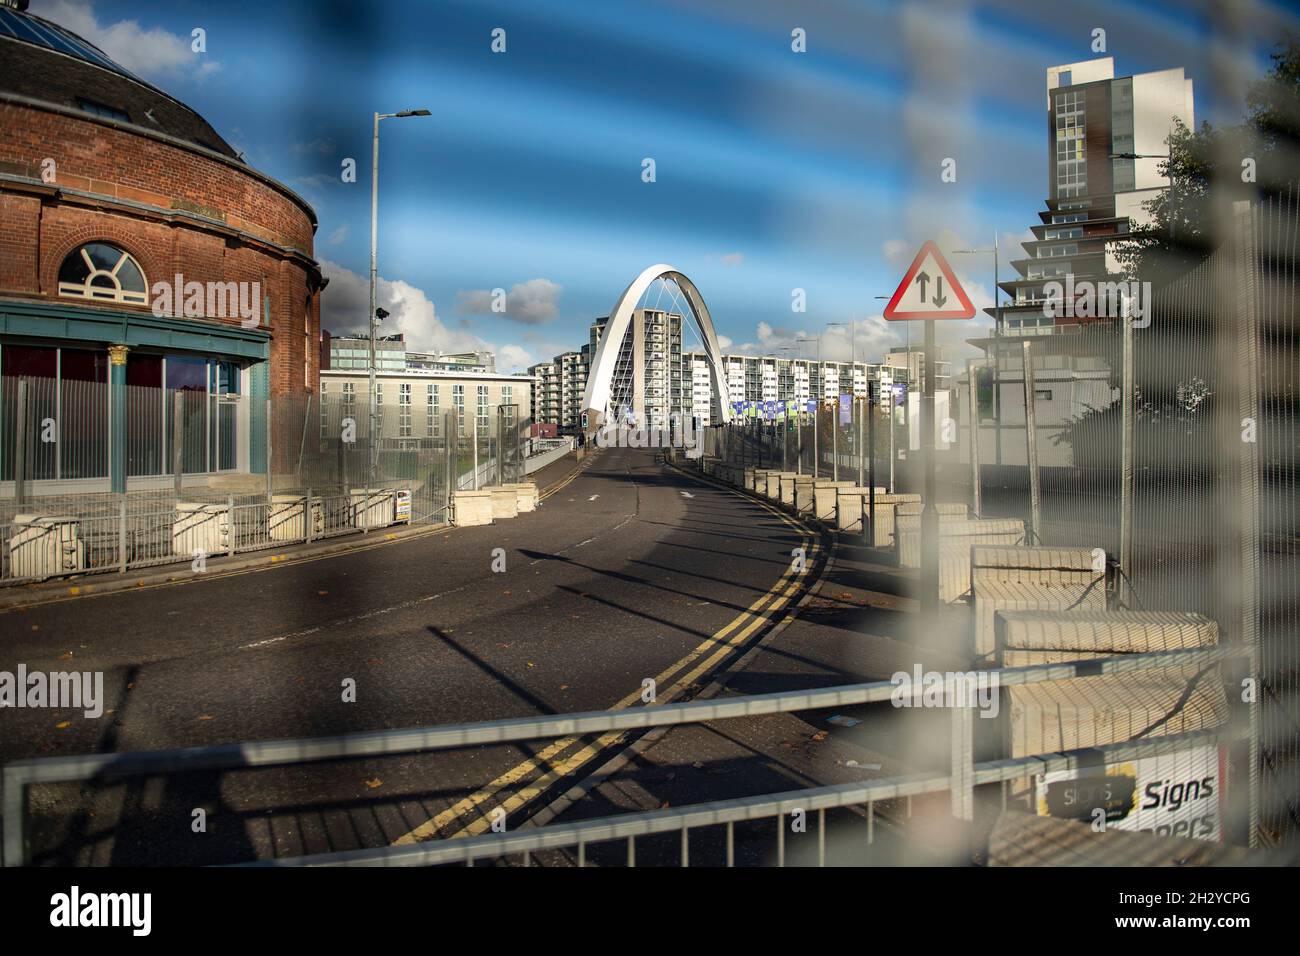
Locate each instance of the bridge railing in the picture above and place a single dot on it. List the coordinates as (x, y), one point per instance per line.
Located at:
(960, 780)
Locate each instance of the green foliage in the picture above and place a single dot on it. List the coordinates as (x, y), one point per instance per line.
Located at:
(1208, 169)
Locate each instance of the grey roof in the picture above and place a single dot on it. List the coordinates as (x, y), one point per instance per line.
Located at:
(43, 61)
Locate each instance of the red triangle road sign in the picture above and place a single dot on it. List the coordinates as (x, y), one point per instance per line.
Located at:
(929, 290)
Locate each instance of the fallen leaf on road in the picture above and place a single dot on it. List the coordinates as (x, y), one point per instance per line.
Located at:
(66, 656)
(819, 736)
(322, 593)
(564, 687)
(63, 725)
(375, 660)
(205, 717)
(530, 664)
(374, 784)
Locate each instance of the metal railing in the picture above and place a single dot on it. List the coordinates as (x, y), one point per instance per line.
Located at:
(960, 780)
(57, 546)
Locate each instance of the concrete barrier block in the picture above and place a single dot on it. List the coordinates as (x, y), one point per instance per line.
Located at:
(954, 530)
(1048, 637)
(824, 493)
(526, 496)
(787, 488)
(880, 526)
(505, 503)
(803, 494)
(1092, 711)
(469, 508)
(201, 527)
(773, 488)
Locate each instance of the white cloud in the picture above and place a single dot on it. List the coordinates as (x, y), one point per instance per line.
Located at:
(338, 235)
(150, 53)
(512, 358)
(733, 259)
(346, 301)
(531, 303)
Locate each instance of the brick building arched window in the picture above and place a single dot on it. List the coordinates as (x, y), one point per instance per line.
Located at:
(104, 273)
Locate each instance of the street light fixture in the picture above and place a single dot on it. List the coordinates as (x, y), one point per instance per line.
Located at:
(374, 317)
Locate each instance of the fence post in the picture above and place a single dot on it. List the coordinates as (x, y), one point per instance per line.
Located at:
(1031, 444)
(20, 444)
(178, 438)
(1243, 332)
(307, 517)
(230, 522)
(269, 466)
(972, 398)
(121, 535)
(1127, 482)
(871, 474)
(963, 764)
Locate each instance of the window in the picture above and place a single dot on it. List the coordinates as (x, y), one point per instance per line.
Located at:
(1048, 252)
(104, 273)
(99, 109)
(1071, 149)
(483, 409)
(404, 410)
(508, 403)
(458, 403)
(432, 427)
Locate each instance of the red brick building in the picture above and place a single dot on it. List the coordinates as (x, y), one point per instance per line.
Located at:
(139, 251)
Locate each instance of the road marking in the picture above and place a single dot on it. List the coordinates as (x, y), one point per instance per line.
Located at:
(343, 621)
(779, 595)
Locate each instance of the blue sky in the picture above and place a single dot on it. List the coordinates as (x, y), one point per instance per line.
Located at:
(775, 170)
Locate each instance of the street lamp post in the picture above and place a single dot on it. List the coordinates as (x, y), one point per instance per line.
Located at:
(835, 412)
(816, 404)
(373, 316)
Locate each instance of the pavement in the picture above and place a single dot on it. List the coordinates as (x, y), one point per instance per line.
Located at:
(630, 572)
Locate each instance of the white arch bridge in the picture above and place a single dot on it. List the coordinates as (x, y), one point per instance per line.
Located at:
(616, 382)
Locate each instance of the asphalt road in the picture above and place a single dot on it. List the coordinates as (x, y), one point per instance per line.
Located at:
(626, 573)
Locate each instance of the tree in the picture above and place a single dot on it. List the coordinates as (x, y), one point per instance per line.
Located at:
(1209, 168)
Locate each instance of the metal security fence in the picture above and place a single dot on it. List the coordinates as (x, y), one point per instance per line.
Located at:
(1170, 442)
(961, 779)
(184, 453)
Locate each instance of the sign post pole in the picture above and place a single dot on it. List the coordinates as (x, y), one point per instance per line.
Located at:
(929, 513)
(929, 291)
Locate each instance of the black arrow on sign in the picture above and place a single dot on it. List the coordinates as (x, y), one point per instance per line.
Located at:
(939, 297)
(923, 278)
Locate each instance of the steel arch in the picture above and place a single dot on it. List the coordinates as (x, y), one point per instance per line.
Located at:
(597, 393)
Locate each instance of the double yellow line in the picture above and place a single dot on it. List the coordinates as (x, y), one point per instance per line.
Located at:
(539, 773)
